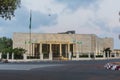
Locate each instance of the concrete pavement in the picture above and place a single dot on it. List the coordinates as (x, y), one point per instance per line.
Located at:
(67, 70)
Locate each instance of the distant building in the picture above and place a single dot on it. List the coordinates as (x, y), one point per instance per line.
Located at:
(68, 32)
(117, 51)
(60, 44)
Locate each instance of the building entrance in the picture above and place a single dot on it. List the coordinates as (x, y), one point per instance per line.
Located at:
(45, 50)
(64, 50)
(56, 50)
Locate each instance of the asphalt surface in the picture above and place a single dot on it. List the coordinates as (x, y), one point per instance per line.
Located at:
(59, 70)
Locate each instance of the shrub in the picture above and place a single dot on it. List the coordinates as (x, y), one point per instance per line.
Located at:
(83, 55)
(99, 55)
(18, 53)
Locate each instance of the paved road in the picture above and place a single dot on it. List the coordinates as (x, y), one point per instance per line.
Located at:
(68, 70)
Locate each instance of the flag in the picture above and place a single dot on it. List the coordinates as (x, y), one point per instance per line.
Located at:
(30, 19)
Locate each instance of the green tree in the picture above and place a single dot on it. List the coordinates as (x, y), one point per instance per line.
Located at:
(6, 47)
(8, 7)
(5, 44)
(18, 52)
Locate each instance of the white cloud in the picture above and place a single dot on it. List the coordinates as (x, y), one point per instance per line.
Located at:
(79, 20)
(2, 31)
(108, 12)
(83, 19)
(99, 18)
(44, 6)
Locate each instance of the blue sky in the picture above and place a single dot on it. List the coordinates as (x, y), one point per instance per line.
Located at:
(98, 17)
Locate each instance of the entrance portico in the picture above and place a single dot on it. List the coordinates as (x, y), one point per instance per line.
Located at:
(56, 48)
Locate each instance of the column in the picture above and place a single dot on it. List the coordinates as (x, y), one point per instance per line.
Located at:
(94, 55)
(41, 54)
(50, 54)
(68, 49)
(60, 49)
(104, 55)
(89, 55)
(7, 56)
(12, 56)
(70, 55)
(77, 55)
(115, 55)
(24, 56)
(33, 49)
(0, 55)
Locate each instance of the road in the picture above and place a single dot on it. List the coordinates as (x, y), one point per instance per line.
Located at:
(59, 70)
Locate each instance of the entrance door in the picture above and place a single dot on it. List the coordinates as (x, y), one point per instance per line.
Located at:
(64, 50)
(45, 51)
(56, 50)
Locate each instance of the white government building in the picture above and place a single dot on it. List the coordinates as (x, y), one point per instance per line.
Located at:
(55, 45)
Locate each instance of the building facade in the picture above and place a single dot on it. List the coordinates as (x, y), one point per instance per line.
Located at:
(59, 44)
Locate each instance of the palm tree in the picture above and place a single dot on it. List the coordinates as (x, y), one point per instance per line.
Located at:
(107, 52)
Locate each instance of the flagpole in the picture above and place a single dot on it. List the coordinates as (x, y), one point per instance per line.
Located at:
(30, 33)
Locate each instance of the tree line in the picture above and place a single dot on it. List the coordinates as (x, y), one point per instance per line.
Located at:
(6, 46)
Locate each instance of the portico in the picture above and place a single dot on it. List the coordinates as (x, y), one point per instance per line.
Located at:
(56, 48)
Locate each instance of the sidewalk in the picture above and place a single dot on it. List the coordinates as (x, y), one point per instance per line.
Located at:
(25, 66)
